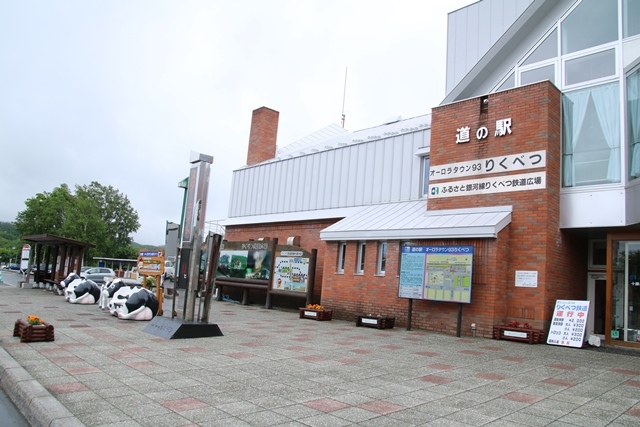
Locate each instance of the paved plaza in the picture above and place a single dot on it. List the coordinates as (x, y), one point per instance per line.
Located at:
(272, 368)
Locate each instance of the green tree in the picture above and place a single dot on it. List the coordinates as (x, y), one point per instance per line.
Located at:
(95, 214)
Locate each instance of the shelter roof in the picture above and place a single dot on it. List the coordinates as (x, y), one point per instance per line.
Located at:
(53, 240)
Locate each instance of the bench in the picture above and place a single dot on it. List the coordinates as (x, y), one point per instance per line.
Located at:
(245, 284)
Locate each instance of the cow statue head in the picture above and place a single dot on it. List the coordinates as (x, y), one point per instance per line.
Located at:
(120, 296)
(142, 304)
(82, 291)
(62, 285)
(107, 291)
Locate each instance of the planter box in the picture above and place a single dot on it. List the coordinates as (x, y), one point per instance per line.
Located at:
(531, 336)
(380, 322)
(32, 333)
(312, 313)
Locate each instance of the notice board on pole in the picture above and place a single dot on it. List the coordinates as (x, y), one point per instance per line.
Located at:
(569, 323)
(438, 273)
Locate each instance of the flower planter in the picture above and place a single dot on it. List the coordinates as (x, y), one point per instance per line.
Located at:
(511, 333)
(32, 333)
(380, 322)
(315, 314)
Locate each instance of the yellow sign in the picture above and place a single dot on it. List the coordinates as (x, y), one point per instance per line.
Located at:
(151, 263)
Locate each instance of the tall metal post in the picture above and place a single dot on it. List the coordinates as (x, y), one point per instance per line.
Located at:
(199, 211)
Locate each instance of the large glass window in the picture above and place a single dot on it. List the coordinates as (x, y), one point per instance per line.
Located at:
(546, 50)
(538, 74)
(633, 123)
(590, 67)
(630, 14)
(625, 312)
(591, 136)
(591, 23)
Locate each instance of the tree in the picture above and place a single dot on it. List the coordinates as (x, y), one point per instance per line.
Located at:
(95, 214)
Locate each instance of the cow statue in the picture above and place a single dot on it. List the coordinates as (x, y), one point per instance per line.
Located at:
(108, 290)
(62, 285)
(142, 304)
(120, 296)
(82, 291)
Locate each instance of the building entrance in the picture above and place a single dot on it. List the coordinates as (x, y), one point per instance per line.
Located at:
(625, 291)
(597, 295)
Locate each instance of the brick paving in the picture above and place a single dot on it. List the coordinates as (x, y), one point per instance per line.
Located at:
(272, 368)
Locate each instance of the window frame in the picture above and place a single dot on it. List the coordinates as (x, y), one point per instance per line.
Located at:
(425, 174)
(360, 258)
(381, 263)
(342, 252)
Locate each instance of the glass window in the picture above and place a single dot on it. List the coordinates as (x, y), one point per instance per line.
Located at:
(546, 50)
(591, 23)
(633, 123)
(425, 174)
(342, 251)
(509, 83)
(630, 14)
(590, 67)
(625, 316)
(591, 136)
(362, 246)
(382, 257)
(538, 74)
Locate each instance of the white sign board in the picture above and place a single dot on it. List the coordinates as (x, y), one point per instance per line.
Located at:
(569, 323)
(491, 185)
(526, 279)
(508, 163)
(24, 259)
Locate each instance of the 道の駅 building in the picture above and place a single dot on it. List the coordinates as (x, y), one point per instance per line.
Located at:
(530, 163)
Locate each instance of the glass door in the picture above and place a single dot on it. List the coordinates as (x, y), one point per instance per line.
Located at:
(625, 307)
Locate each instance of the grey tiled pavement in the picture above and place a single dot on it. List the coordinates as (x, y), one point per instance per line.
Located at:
(273, 369)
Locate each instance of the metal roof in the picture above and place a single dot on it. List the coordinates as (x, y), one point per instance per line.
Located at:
(53, 240)
(412, 220)
(334, 136)
(310, 215)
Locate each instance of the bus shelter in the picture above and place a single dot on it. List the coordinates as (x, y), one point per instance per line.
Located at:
(55, 257)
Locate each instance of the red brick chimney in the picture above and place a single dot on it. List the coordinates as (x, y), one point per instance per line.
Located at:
(262, 139)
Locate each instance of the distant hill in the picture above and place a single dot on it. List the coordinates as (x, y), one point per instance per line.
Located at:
(140, 246)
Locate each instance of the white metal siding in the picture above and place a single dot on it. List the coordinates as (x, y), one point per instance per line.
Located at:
(473, 30)
(379, 171)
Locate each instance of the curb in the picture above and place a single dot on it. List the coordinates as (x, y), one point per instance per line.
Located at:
(34, 401)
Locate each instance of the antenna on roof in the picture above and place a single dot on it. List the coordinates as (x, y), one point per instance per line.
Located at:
(344, 94)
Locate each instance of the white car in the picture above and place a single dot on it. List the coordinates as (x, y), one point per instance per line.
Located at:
(169, 270)
(98, 274)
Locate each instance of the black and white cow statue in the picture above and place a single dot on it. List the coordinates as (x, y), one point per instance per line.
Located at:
(108, 290)
(120, 296)
(82, 291)
(62, 285)
(142, 304)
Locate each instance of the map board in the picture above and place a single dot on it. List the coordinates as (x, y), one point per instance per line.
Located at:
(438, 273)
(569, 323)
(291, 271)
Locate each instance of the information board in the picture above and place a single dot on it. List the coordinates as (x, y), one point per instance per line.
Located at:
(291, 272)
(151, 263)
(438, 273)
(569, 323)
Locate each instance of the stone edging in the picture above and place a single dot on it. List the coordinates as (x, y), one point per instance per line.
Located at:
(34, 401)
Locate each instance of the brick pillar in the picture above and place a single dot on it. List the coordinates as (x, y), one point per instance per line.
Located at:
(262, 139)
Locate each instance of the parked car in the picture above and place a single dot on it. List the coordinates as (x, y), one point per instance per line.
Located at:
(98, 274)
(169, 270)
(15, 267)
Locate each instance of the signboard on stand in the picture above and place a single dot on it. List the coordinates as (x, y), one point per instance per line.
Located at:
(439, 273)
(24, 259)
(569, 323)
(151, 263)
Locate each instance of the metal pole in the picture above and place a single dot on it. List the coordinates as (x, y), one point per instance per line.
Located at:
(459, 320)
(409, 314)
(196, 241)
